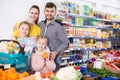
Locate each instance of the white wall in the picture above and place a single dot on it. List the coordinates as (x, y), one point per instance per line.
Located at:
(12, 11)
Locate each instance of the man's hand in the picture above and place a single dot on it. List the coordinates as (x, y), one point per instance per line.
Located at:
(53, 55)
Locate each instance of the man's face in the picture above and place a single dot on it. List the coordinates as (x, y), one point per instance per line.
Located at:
(50, 13)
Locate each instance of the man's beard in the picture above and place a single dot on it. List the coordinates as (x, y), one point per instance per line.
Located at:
(50, 18)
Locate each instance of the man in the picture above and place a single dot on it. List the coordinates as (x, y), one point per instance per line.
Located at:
(55, 32)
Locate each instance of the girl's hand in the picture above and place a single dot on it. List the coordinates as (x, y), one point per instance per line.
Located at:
(36, 51)
(45, 55)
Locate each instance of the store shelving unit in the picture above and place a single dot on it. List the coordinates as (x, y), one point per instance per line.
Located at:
(87, 24)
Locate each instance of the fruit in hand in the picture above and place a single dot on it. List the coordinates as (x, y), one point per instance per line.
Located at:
(45, 55)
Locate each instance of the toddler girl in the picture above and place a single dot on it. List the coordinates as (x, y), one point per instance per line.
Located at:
(40, 60)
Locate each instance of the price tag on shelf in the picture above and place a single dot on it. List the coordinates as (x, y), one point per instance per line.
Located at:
(6, 66)
(37, 75)
(97, 64)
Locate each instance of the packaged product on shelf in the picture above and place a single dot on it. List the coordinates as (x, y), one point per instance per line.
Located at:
(99, 33)
(86, 9)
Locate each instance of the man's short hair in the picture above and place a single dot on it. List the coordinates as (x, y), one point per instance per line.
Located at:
(50, 5)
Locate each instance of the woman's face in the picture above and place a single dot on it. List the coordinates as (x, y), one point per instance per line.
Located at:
(41, 44)
(24, 30)
(33, 14)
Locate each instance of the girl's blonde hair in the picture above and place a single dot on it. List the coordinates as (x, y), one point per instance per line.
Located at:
(43, 37)
(25, 22)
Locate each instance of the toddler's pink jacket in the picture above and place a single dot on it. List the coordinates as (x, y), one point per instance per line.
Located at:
(38, 64)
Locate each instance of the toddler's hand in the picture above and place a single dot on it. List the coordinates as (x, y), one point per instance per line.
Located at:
(45, 55)
(36, 51)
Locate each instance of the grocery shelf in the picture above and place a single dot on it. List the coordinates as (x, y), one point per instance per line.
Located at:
(72, 49)
(78, 15)
(81, 37)
(64, 58)
(111, 21)
(105, 28)
(103, 20)
(92, 17)
(102, 49)
(90, 37)
(89, 49)
(73, 62)
(78, 61)
(96, 38)
(84, 26)
(116, 22)
(114, 38)
(64, 64)
(67, 50)
(103, 39)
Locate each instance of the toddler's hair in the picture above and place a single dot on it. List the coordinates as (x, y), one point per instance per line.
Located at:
(42, 37)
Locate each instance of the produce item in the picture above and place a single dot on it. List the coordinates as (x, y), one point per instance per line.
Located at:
(45, 55)
(103, 73)
(47, 75)
(11, 74)
(114, 66)
(117, 53)
(12, 47)
(68, 73)
(53, 77)
(9, 47)
(117, 60)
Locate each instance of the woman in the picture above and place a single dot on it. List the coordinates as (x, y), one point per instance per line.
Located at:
(35, 30)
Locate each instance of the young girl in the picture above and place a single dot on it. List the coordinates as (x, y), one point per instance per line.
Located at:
(23, 38)
(25, 41)
(39, 60)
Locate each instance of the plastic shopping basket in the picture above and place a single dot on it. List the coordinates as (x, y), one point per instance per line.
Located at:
(18, 61)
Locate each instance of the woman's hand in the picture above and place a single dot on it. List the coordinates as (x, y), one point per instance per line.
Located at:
(15, 28)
